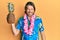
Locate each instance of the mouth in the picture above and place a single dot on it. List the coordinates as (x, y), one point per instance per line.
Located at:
(29, 12)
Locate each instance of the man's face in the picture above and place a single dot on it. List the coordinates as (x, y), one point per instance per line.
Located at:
(30, 10)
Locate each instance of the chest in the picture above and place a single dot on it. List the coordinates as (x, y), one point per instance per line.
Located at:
(36, 27)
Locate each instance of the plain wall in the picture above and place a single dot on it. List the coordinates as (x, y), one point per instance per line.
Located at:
(48, 10)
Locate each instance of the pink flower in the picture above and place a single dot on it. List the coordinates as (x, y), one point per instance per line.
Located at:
(26, 30)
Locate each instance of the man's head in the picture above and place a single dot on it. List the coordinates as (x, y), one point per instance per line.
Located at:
(30, 8)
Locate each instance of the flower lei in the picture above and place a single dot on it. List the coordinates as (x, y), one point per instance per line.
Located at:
(26, 30)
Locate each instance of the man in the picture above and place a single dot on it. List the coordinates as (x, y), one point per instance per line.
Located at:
(29, 24)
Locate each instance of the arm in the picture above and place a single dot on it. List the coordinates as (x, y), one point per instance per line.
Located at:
(41, 29)
(15, 31)
(43, 35)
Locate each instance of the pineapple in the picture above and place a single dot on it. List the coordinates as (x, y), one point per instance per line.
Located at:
(10, 16)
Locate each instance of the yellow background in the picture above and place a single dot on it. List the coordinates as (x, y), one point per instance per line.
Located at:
(48, 10)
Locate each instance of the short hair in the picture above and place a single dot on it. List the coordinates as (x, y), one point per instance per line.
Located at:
(29, 3)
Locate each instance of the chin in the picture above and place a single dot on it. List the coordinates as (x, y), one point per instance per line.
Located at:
(30, 15)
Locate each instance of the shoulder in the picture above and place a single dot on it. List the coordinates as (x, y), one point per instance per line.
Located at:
(38, 19)
(21, 19)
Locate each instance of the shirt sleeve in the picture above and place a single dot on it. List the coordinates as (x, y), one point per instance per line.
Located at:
(41, 27)
(19, 24)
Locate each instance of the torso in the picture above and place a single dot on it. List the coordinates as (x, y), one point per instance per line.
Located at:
(35, 33)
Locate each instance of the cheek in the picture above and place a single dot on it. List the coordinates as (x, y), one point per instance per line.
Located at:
(32, 10)
(27, 11)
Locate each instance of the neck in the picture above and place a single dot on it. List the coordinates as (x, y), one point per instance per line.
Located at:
(29, 17)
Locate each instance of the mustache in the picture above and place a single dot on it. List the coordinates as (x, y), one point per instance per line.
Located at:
(30, 12)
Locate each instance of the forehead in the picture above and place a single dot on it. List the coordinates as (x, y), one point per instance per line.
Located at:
(29, 6)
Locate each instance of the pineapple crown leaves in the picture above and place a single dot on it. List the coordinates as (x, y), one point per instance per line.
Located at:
(10, 7)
